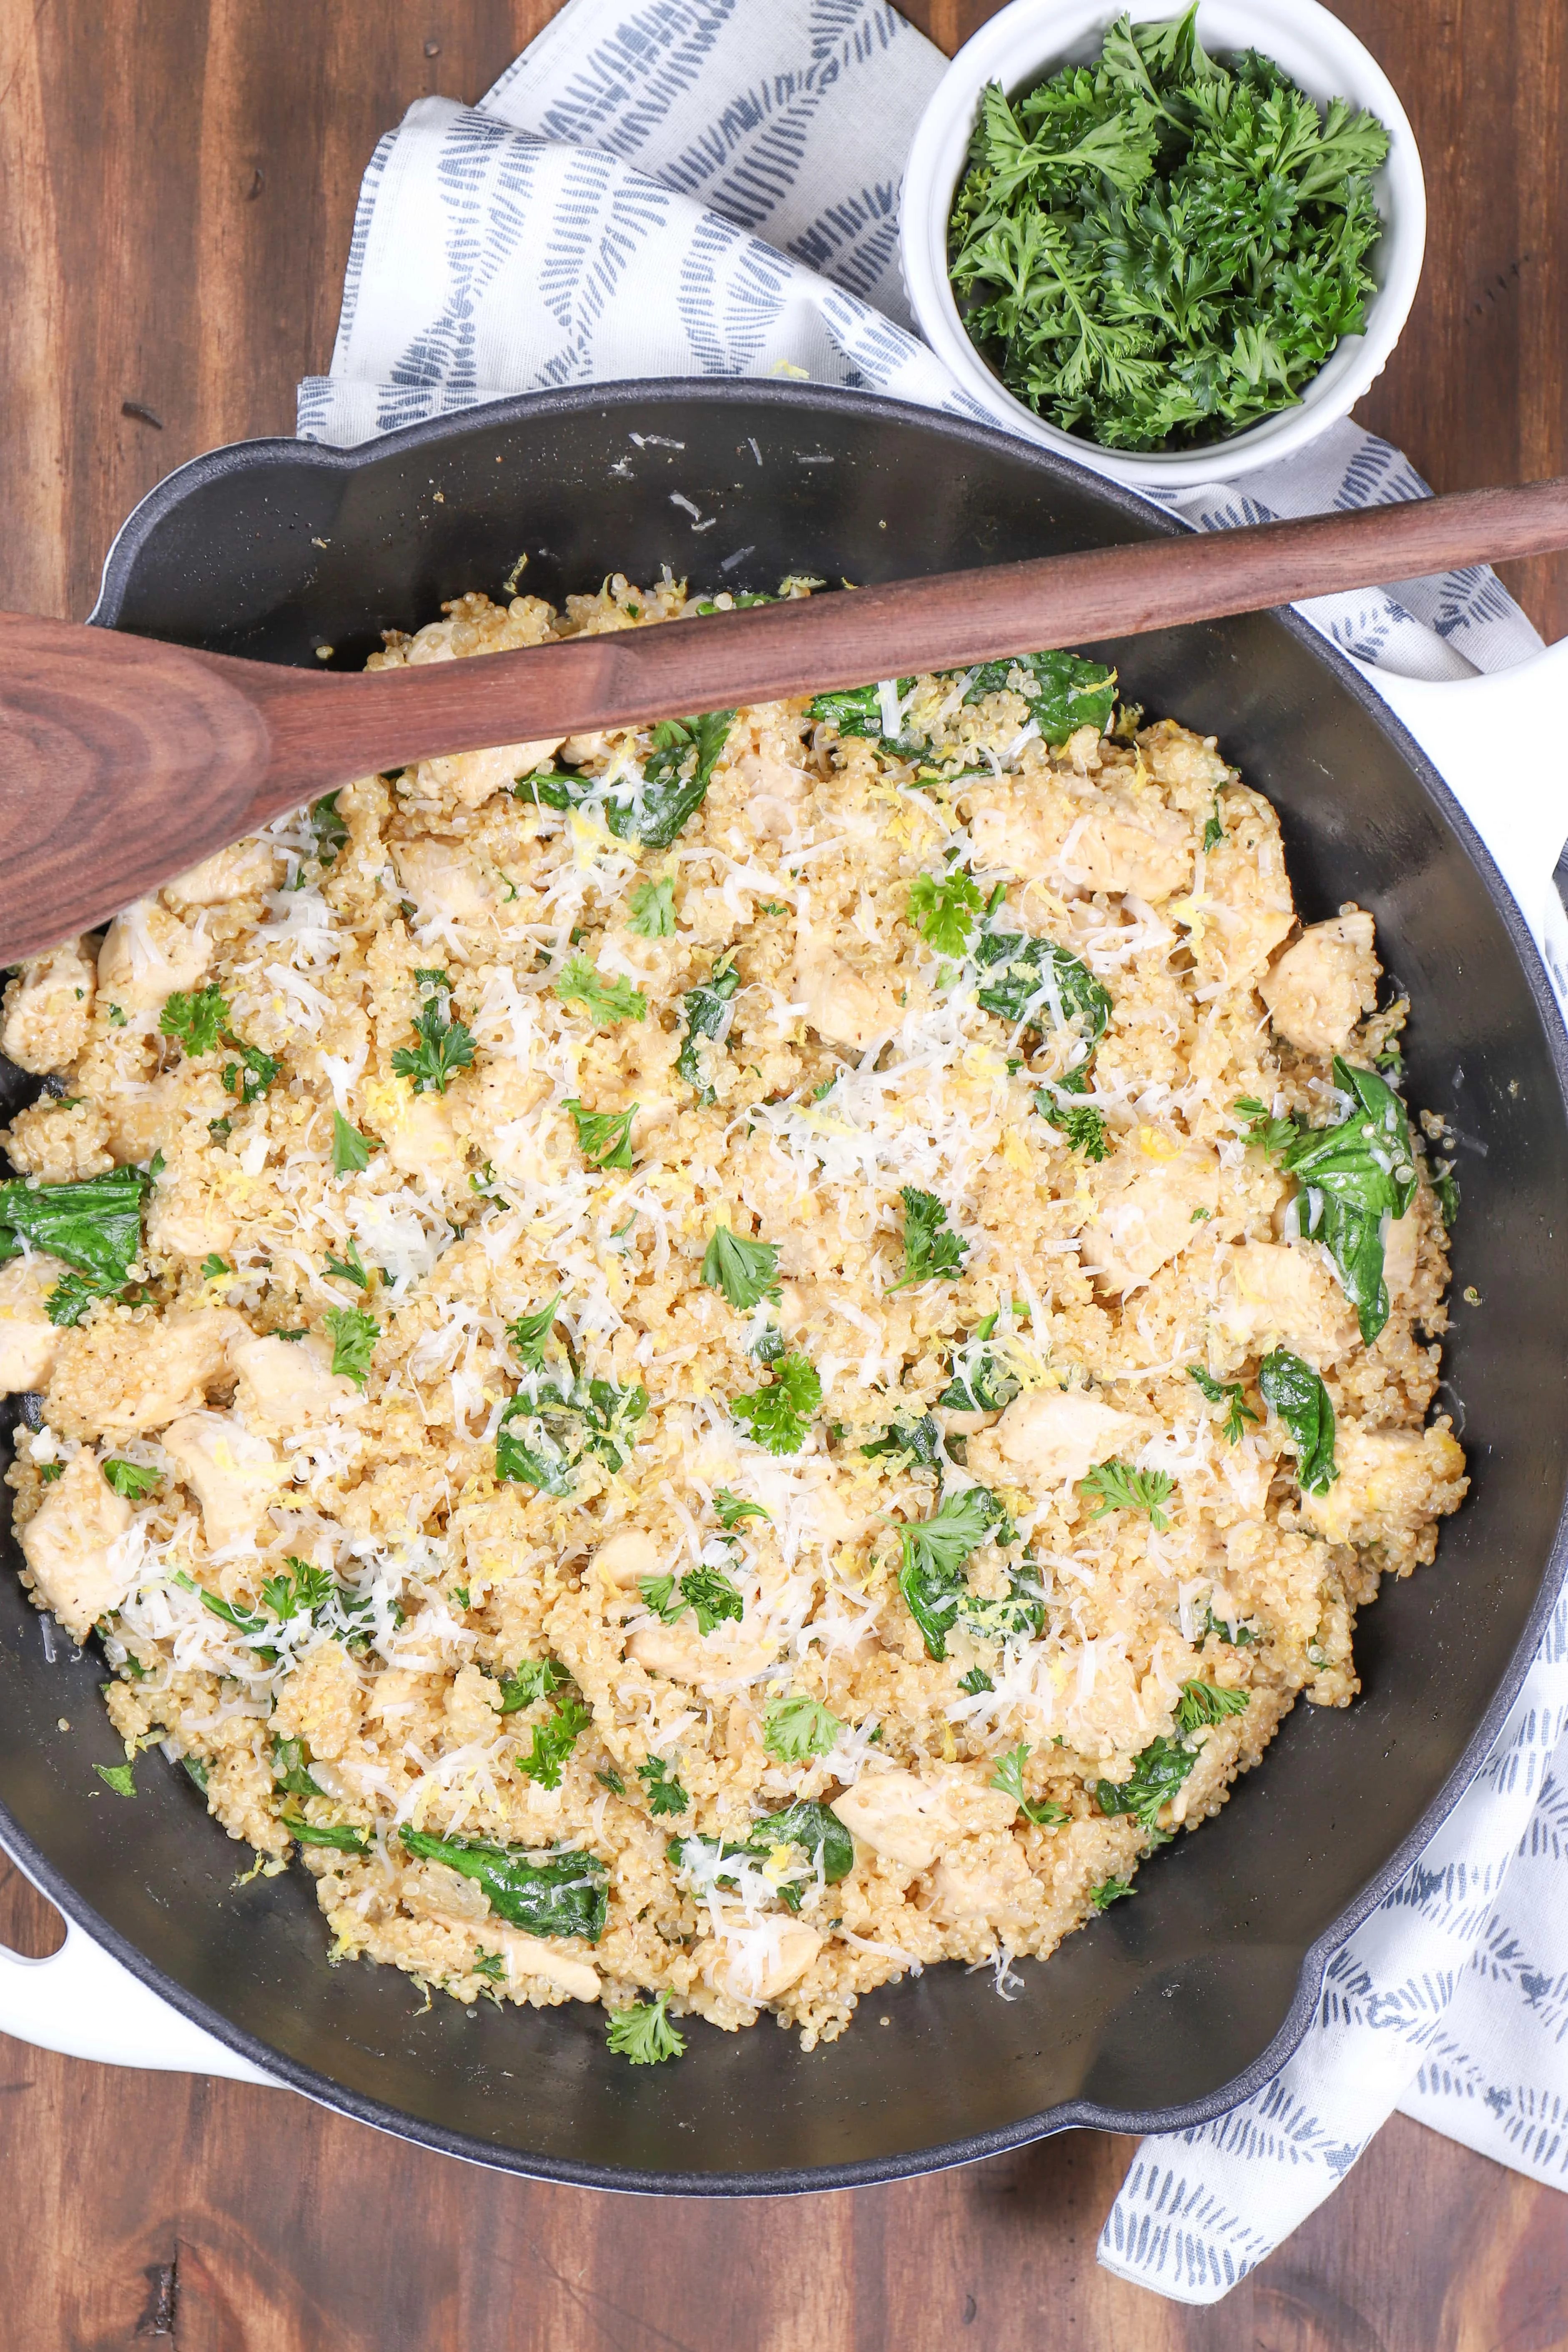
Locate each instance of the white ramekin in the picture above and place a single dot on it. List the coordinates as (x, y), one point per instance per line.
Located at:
(1030, 39)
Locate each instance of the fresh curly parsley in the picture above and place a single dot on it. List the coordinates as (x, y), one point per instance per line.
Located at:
(1157, 251)
(528, 1335)
(1119, 1487)
(117, 1776)
(1109, 1891)
(1233, 1396)
(444, 1046)
(942, 908)
(644, 2035)
(1202, 1703)
(747, 1272)
(199, 1019)
(350, 1268)
(603, 1136)
(530, 1680)
(779, 1417)
(554, 1740)
(705, 1590)
(351, 1150)
(1258, 1125)
(731, 1509)
(1008, 1778)
(1082, 1124)
(132, 1480)
(796, 1726)
(605, 1001)
(354, 1335)
(652, 909)
(665, 1793)
(1158, 1772)
(932, 1251)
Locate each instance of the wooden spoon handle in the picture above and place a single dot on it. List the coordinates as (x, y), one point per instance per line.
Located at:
(347, 726)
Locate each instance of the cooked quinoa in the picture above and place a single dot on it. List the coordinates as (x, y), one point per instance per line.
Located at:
(725, 1395)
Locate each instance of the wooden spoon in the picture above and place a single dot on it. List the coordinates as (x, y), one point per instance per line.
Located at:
(124, 761)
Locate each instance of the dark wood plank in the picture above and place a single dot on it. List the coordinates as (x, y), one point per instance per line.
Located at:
(176, 183)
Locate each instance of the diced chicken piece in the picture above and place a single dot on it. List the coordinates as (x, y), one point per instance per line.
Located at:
(987, 1880)
(245, 870)
(1019, 827)
(843, 1008)
(491, 1098)
(288, 1384)
(139, 1118)
(773, 789)
(468, 779)
(1273, 1295)
(68, 1545)
(627, 1555)
(58, 1142)
(1246, 908)
(528, 1956)
(1389, 1479)
(774, 1956)
(441, 878)
(1053, 1438)
(186, 1217)
(233, 1474)
(30, 1343)
(420, 1139)
(1320, 988)
(148, 954)
(683, 1656)
(909, 1822)
(1128, 848)
(48, 1008)
(122, 1379)
(1148, 1215)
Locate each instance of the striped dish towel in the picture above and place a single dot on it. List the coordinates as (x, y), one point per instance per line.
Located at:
(710, 187)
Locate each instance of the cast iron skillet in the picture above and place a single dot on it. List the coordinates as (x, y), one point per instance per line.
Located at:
(1177, 2004)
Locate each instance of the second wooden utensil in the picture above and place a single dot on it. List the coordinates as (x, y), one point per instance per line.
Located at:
(123, 761)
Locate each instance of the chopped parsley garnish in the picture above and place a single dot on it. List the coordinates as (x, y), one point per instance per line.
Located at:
(94, 1225)
(199, 1019)
(351, 1268)
(198, 1771)
(554, 1740)
(530, 1679)
(934, 1550)
(1158, 1772)
(706, 1008)
(1202, 1703)
(250, 1076)
(942, 908)
(354, 1335)
(213, 1265)
(117, 1776)
(291, 1769)
(932, 1251)
(975, 1682)
(643, 2035)
(444, 1047)
(612, 1780)
(301, 1587)
(603, 1136)
(1082, 1124)
(731, 1509)
(914, 1441)
(542, 1438)
(1119, 1487)
(1109, 1891)
(1259, 1126)
(652, 909)
(707, 1590)
(564, 1894)
(1354, 1176)
(1214, 831)
(1243, 1637)
(432, 976)
(132, 1480)
(1233, 1396)
(798, 1726)
(488, 1964)
(747, 1272)
(351, 1150)
(1008, 1778)
(1156, 251)
(665, 1793)
(528, 1333)
(605, 1001)
(1294, 1391)
(779, 1417)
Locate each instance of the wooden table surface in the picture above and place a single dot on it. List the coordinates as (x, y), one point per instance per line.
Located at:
(177, 178)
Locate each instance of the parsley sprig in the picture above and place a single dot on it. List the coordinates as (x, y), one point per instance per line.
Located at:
(1119, 1487)
(643, 2033)
(605, 1001)
(932, 1251)
(1233, 1396)
(747, 1272)
(796, 1726)
(443, 1047)
(1008, 1778)
(779, 1417)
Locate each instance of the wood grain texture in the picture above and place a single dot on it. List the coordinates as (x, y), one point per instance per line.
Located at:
(176, 185)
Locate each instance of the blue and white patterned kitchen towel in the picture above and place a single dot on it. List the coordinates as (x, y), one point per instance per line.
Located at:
(710, 187)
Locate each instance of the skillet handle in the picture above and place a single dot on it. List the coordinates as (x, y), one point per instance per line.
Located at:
(83, 2004)
(1474, 730)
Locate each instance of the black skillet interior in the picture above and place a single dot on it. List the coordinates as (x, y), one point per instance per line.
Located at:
(1177, 2003)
